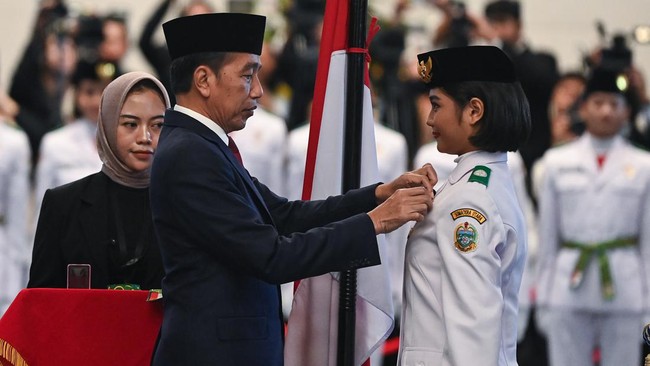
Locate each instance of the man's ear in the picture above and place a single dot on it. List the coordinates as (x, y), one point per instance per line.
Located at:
(201, 80)
(475, 110)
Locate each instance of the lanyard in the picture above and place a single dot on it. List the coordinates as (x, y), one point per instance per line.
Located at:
(121, 238)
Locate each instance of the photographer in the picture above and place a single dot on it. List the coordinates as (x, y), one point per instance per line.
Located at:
(43, 74)
(459, 28)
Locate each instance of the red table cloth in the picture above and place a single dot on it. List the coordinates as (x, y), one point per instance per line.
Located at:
(79, 327)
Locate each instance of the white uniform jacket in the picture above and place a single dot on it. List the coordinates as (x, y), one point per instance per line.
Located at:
(583, 204)
(15, 251)
(262, 147)
(464, 265)
(445, 163)
(66, 154)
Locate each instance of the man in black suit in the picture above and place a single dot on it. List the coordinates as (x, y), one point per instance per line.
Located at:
(226, 240)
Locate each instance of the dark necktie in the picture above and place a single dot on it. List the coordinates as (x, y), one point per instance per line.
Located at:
(235, 151)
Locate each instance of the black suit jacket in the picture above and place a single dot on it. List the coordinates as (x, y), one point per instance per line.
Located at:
(73, 228)
(227, 241)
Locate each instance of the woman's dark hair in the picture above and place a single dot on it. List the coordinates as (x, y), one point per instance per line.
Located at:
(505, 124)
(146, 84)
(182, 69)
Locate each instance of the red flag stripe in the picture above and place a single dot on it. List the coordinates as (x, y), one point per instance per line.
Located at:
(333, 39)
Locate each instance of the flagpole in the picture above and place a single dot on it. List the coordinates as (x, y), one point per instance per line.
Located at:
(352, 168)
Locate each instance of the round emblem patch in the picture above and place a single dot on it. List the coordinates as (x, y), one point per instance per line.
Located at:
(466, 237)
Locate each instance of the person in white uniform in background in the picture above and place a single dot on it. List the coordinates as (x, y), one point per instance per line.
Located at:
(70, 152)
(464, 262)
(262, 147)
(594, 226)
(15, 163)
(445, 163)
(296, 158)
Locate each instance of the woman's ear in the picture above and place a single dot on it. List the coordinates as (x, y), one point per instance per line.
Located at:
(201, 80)
(475, 110)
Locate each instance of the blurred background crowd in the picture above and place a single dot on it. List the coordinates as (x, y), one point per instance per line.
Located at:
(56, 56)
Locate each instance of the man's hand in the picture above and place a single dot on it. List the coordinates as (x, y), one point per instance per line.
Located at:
(406, 204)
(424, 177)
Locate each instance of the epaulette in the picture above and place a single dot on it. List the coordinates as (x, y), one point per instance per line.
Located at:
(480, 174)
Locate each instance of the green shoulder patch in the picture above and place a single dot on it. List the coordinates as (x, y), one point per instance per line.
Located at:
(480, 174)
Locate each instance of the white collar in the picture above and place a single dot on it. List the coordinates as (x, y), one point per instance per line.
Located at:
(601, 145)
(466, 162)
(204, 120)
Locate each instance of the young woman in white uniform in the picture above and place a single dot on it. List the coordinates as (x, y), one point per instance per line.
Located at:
(465, 261)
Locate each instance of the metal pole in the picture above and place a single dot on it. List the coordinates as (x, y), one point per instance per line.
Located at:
(352, 169)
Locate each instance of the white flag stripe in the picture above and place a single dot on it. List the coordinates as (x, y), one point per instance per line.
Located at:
(316, 299)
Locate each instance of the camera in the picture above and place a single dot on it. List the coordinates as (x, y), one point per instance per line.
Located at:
(618, 57)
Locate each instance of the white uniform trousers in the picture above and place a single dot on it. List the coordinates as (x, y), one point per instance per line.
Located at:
(573, 335)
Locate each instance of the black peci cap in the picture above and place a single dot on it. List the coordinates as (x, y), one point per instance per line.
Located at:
(606, 80)
(95, 71)
(503, 9)
(216, 32)
(471, 63)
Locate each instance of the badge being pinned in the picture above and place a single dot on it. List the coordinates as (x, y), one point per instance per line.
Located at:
(466, 237)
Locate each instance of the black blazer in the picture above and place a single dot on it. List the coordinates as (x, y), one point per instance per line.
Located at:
(227, 241)
(73, 228)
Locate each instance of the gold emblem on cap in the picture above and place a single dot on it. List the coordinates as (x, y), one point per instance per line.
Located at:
(105, 70)
(425, 70)
(622, 83)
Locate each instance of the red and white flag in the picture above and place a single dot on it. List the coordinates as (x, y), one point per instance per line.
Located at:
(313, 322)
